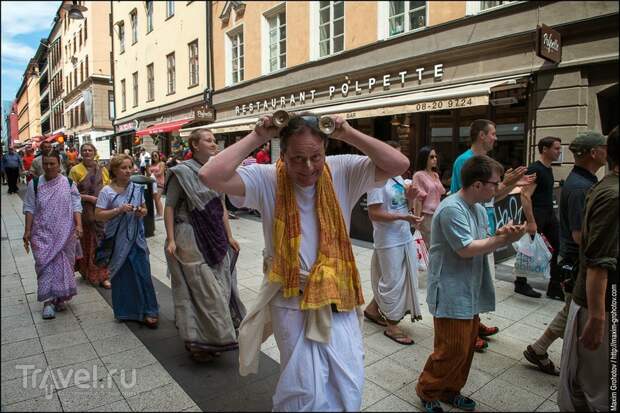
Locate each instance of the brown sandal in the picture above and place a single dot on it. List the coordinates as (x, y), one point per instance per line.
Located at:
(398, 337)
(536, 359)
(379, 320)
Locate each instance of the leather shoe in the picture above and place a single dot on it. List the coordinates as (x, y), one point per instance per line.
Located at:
(526, 289)
(554, 290)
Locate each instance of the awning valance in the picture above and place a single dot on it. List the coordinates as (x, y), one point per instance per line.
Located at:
(163, 127)
(438, 98)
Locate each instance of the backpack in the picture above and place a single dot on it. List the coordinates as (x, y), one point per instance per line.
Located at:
(35, 184)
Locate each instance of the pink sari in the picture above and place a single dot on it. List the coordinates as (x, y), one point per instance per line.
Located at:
(54, 245)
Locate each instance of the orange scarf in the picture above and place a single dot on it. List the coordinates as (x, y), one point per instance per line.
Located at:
(334, 278)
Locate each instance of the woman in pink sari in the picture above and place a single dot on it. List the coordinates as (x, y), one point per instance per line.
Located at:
(53, 227)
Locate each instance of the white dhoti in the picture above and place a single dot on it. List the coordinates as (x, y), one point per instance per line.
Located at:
(584, 374)
(394, 279)
(317, 376)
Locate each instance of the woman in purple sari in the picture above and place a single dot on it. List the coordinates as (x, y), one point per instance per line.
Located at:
(201, 254)
(53, 226)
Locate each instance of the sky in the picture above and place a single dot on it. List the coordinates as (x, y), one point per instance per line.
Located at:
(24, 23)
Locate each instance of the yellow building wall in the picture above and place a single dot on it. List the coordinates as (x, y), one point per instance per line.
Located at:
(22, 116)
(444, 11)
(360, 27)
(168, 35)
(98, 44)
(34, 110)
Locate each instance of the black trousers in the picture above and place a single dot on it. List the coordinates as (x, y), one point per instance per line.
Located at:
(12, 175)
(549, 226)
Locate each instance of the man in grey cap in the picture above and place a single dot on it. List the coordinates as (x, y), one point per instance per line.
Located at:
(589, 151)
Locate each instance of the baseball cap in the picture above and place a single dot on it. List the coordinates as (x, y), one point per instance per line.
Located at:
(586, 141)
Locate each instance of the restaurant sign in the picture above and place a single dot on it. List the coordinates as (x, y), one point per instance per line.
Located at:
(548, 44)
(345, 89)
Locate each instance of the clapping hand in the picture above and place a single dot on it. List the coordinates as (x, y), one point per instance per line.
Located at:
(512, 176)
(511, 232)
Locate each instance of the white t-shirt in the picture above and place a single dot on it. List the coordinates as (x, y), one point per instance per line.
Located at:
(352, 176)
(391, 197)
(144, 157)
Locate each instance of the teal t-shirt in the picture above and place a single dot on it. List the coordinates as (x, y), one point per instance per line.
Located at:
(458, 287)
(456, 185)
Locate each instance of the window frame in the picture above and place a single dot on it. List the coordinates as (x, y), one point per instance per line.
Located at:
(135, 90)
(150, 82)
(475, 7)
(121, 39)
(149, 15)
(111, 106)
(133, 21)
(266, 29)
(230, 42)
(193, 60)
(169, 9)
(123, 95)
(171, 74)
(331, 23)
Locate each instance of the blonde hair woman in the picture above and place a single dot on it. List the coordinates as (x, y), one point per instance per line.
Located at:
(121, 206)
(90, 179)
(201, 252)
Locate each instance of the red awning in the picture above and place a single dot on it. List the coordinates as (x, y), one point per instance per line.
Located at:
(163, 127)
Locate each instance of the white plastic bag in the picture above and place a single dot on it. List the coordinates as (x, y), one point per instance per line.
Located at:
(421, 250)
(533, 257)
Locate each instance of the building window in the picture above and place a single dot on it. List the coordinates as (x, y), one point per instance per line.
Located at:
(169, 8)
(110, 105)
(236, 48)
(74, 43)
(134, 26)
(75, 78)
(121, 36)
(149, 16)
(171, 73)
(85, 29)
(406, 16)
(193, 63)
(277, 41)
(331, 27)
(150, 83)
(81, 72)
(123, 96)
(86, 73)
(484, 5)
(134, 78)
(80, 37)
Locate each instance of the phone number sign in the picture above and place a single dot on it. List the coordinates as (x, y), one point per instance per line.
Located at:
(425, 106)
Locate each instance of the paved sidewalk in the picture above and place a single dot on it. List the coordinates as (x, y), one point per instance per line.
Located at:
(87, 335)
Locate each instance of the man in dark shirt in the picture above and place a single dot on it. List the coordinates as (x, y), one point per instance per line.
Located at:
(588, 160)
(584, 373)
(537, 202)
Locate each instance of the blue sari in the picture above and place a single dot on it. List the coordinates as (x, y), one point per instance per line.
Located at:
(133, 294)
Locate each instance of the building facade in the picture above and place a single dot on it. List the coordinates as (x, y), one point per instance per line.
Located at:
(85, 70)
(161, 71)
(421, 71)
(21, 106)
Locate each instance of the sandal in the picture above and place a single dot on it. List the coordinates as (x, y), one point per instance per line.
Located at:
(200, 356)
(151, 322)
(379, 320)
(480, 345)
(460, 402)
(398, 337)
(536, 359)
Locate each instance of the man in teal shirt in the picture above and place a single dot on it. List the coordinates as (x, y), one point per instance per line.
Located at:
(460, 284)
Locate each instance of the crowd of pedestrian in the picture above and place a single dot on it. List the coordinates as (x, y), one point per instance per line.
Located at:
(80, 215)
